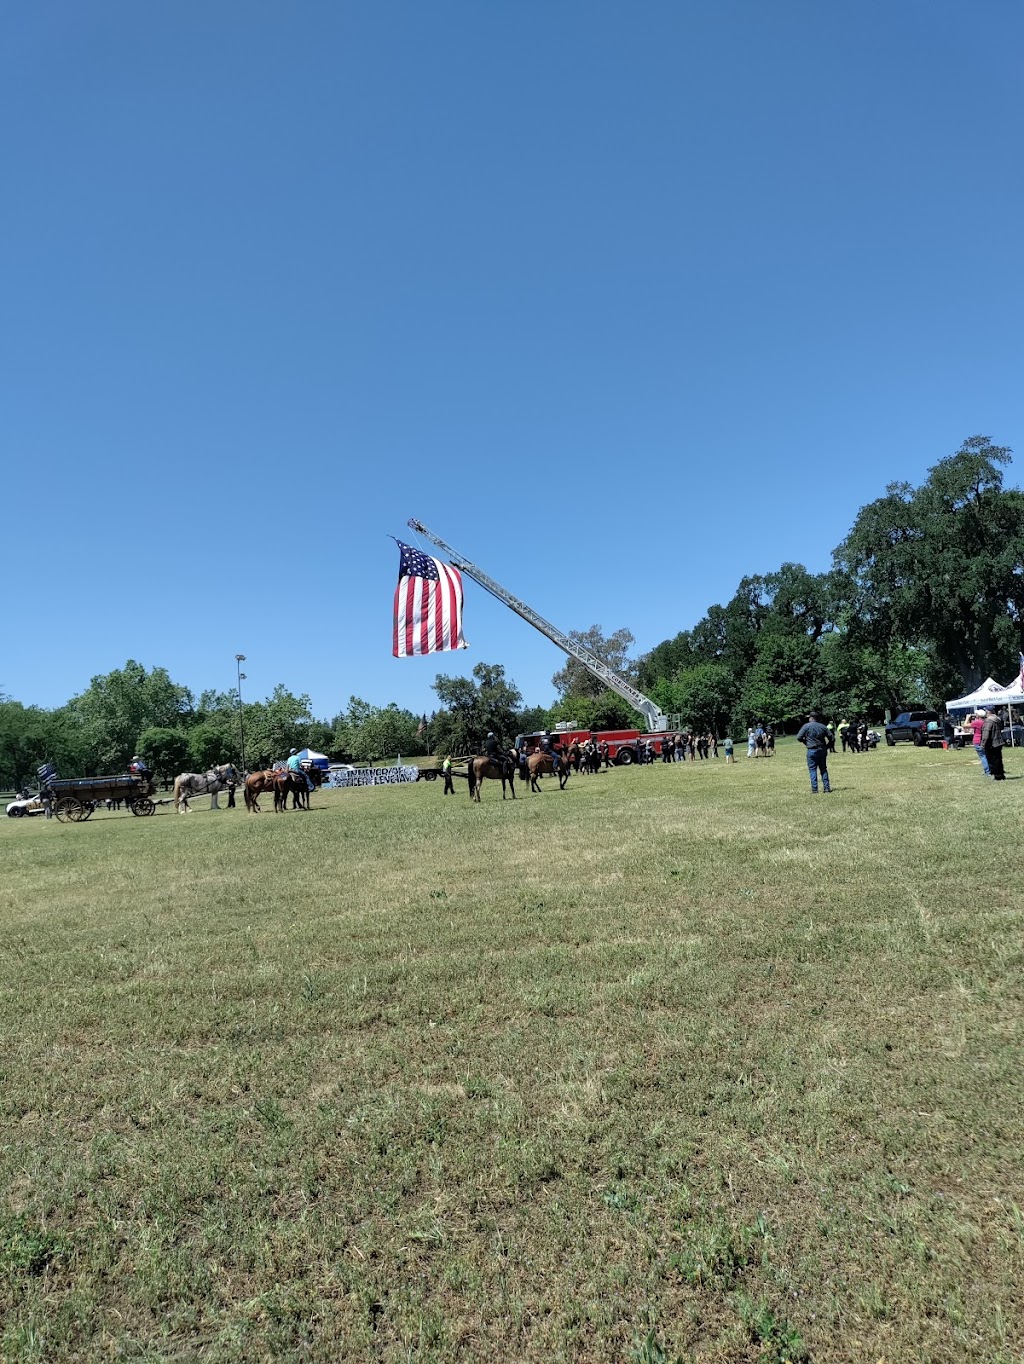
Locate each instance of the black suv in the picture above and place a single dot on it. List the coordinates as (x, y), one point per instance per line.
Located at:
(912, 725)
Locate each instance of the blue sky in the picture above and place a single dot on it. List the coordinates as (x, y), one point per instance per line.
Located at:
(624, 302)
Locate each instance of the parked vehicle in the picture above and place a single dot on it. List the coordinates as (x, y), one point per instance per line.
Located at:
(31, 805)
(912, 727)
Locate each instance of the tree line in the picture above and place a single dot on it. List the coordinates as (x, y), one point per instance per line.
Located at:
(924, 598)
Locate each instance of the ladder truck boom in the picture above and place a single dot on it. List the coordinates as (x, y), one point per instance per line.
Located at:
(649, 709)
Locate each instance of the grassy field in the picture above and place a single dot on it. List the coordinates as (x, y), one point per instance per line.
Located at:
(678, 1064)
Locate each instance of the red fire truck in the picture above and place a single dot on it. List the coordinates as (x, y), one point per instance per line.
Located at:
(623, 744)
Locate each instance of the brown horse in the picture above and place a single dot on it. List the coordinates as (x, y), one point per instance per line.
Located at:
(501, 769)
(280, 781)
(539, 762)
(256, 783)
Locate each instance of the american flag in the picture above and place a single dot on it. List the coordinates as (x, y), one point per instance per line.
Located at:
(1021, 656)
(428, 605)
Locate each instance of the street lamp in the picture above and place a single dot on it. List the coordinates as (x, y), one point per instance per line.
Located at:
(239, 660)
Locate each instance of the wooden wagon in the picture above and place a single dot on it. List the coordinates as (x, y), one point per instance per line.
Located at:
(75, 798)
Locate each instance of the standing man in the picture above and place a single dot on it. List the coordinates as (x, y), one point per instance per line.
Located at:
(992, 744)
(814, 735)
(446, 769)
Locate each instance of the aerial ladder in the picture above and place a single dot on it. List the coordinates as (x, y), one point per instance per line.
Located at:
(649, 709)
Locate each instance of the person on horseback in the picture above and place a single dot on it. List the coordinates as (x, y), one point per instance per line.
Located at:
(494, 751)
(294, 764)
(546, 746)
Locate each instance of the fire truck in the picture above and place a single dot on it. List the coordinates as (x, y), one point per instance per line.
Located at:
(623, 744)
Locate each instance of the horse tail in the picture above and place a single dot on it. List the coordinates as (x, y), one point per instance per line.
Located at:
(177, 792)
(247, 795)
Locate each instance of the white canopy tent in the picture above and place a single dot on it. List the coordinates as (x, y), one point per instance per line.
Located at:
(1010, 695)
(990, 693)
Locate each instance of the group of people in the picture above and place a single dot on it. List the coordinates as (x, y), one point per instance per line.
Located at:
(854, 736)
(760, 741)
(987, 730)
(680, 747)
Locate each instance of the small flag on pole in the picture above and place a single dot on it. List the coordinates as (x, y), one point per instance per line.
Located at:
(421, 726)
(1022, 672)
(428, 605)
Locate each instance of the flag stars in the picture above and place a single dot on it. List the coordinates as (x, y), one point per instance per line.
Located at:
(416, 564)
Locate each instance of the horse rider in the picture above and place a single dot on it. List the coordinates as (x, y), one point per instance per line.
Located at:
(294, 764)
(495, 753)
(492, 748)
(546, 746)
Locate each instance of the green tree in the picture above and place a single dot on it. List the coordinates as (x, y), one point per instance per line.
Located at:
(940, 568)
(474, 706)
(605, 711)
(274, 726)
(211, 743)
(366, 732)
(166, 751)
(23, 743)
(576, 679)
(704, 696)
(118, 707)
(781, 685)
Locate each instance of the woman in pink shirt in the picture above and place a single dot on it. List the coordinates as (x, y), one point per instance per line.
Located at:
(977, 725)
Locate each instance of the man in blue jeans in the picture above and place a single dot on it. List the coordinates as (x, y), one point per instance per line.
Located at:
(815, 736)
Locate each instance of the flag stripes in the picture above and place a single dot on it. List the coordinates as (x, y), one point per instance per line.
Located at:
(428, 606)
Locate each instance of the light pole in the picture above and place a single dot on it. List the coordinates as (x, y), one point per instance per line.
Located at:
(239, 660)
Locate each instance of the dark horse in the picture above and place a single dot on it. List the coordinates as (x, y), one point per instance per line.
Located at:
(295, 782)
(537, 762)
(289, 780)
(501, 769)
(280, 781)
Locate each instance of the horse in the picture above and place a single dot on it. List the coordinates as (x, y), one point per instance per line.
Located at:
(286, 779)
(279, 781)
(255, 785)
(539, 761)
(501, 769)
(574, 756)
(188, 784)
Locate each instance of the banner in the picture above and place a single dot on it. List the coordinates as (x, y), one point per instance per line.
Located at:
(374, 776)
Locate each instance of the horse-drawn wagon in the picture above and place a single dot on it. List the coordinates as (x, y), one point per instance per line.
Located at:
(75, 798)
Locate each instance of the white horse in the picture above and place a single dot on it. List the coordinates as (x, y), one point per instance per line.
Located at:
(190, 784)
